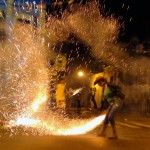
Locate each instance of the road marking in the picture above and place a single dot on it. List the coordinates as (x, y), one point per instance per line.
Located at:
(148, 123)
(128, 125)
(139, 124)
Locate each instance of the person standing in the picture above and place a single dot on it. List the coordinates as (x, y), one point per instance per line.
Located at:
(92, 96)
(60, 94)
(112, 93)
(77, 100)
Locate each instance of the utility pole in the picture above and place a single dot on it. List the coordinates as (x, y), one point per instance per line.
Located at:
(9, 18)
(41, 21)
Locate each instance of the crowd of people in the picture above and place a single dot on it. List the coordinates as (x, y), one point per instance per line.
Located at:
(67, 98)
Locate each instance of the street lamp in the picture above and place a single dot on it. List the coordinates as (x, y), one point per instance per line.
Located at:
(80, 73)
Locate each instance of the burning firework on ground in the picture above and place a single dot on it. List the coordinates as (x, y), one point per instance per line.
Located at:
(24, 80)
(59, 126)
(24, 90)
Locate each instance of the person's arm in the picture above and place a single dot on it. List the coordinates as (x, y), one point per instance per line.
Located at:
(117, 90)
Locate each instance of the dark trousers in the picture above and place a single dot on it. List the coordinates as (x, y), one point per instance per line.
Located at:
(78, 106)
(94, 102)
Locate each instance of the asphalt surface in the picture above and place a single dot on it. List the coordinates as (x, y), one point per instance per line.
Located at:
(133, 131)
(88, 142)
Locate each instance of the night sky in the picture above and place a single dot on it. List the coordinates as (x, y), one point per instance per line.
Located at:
(135, 16)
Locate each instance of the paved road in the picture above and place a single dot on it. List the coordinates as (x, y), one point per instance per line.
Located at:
(88, 142)
(134, 133)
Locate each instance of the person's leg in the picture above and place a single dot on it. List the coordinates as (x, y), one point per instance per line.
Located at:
(104, 127)
(105, 123)
(114, 131)
(61, 106)
(78, 106)
(94, 102)
(111, 118)
(64, 106)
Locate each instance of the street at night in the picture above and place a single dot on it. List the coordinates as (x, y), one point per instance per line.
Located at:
(74, 75)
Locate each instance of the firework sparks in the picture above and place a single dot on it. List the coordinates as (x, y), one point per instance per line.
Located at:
(27, 76)
(76, 91)
(77, 126)
(85, 127)
(25, 122)
(41, 99)
(24, 69)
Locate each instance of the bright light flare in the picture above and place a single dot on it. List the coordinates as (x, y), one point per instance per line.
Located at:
(80, 73)
(77, 91)
(26, 121)
(75, 127)
(86, 127)
(41, 99)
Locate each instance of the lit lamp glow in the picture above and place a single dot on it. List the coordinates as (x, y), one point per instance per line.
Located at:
(80, 73)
